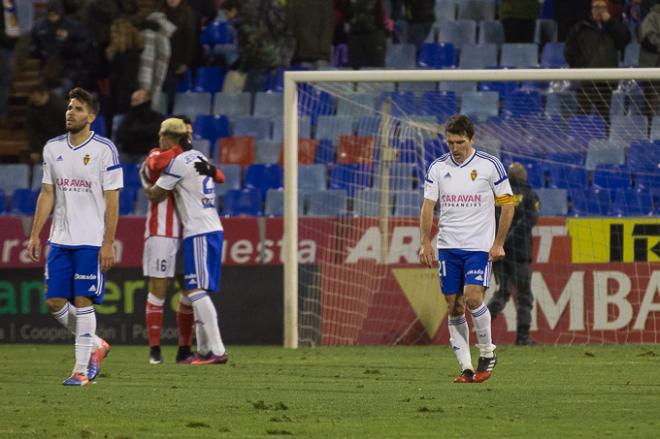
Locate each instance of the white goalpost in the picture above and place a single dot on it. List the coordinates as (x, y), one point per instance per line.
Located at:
(590, 304)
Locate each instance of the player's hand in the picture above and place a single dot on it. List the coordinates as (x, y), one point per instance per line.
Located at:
(205, 168)
(496, 253)
(426, 254)
(34, 249)
(107, 257)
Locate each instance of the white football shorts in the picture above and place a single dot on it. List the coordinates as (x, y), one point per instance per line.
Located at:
(159, 256)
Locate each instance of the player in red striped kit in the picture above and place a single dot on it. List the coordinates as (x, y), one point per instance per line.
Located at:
(162, 242)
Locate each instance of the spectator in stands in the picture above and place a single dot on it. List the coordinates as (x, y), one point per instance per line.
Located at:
(420, 16)
(123, 54)
(9, 33)
(313, 25)
(519, 18)
(138, 131)
(182, 43)
(596, 43)
(156, 32)
(367, 25)
(649, 56)
(62, 44)
(569, 12)
(203, 12)
(44, 119)
(516, 267)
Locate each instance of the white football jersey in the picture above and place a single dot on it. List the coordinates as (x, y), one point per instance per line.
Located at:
(79, 176)
(194, 194)
(466, 194)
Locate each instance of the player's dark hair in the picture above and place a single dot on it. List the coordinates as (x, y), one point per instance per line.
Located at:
(185, 143)
(184, 118)
(460, 125)
(84, 96)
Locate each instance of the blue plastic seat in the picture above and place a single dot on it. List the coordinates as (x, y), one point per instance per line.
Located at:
(232, 179)
(14, 176)
(242, 202)
(605, 152)
(402, 103)
(209, 79)
(368, 126)
(590, 202)
(232, 104)
(491, 31)
(458, 33)
(203, 146)
(304, 128)
(566, 176)
(275, 203)
(582, 129)
(458, 87)
(3, 202)
(326, 152)
(612, 177)
(131, 175)
(401, 56)
(480, 105)
(545, 31)
(186, 83)
(264, 177)
(210, 127)
(502, 87)
(367, 202)
(441, 104)
(357, 105)
(350, 177)
(327, 203)
(24, 201)
(37, 177)
(259, 127)
(476, 10)
(98, 126)
(632, 202)
(553, 201)
(519, 55)
(644, 156)
(408, 203)
(268, 104)
(127, 198)
(217, 32)
(445, 10)
(478, 56)
(313, 102)
(648, 180)
(401, 177)
(331, 127)
(436, 55)
(561, 104)
(631, 55)
(192, 104)
(267, 152)
(312, 177)
(655, 128)
(552, 56)
(627, 129)
(521, 103)
(116, 121)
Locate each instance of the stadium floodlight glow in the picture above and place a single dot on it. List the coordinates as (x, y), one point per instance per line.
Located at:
(343, 85)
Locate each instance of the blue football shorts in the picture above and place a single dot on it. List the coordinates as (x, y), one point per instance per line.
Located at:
(457, 268)
(72, 272)
(202, 257)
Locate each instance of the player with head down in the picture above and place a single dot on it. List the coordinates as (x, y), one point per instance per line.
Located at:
(467, 183)
(190, 177)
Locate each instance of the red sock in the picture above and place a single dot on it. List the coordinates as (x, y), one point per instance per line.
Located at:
(186, 321)
(154, 320)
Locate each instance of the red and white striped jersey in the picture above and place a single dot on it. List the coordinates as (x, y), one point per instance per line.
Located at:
(162, 219)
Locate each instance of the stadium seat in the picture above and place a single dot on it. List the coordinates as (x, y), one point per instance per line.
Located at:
(519, 55)
(242, 202)
(313, 103)
(545, 31)
(127, 198)
(417, 87)
(644, 156)
(590, 202)
(563, 176)
(217, 32)
(612, 177)
(632, 202)
(436, 56)
(275, 81)
(186, 83)
(400, 56)
(489, 145)
(203, 146)
(232, 179)
(491, 31)
(350, 177)
(312, 177)
(275, 203)
(503, 88)
(328, 203)
(402, 103)
(131, 175)
(268, 104)
(367, 202)
(618, 103)
(604, 152)
(401, 177)
(655, 128)
(480, 105)
(441, 104)
(566, 158)
(458, 33)
(3, 201)
(98, 126)
(631, 55)
(457, 87)
(267, 152)
(24, 201)
(307, 152)
(209, 79)
(116, 122)
(553, 201)
(478, 56)
(552, 56)
(368, 126)
(581, 129)
(356, 105)
(356, 150)
(445, 10)
(258, 127)
(627, 129)
(192, 104)
(263, 177)
(521, 103)
(561, 104)
(232, 104)
(304, 128)
(331, 127)
(237, 150)
(408, 203)
(210, 127)
(476, 10)
(648, 180)
(37, 176)
(141, 203)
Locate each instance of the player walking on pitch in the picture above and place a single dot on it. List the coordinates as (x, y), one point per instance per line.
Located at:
(81, 179)
(467, 184)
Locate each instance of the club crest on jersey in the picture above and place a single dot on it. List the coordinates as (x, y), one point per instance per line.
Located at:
(86, 159)
(473, 174)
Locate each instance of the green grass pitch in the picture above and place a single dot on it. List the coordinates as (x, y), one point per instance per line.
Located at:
(351, 392)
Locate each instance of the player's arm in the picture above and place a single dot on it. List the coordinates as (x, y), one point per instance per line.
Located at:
(159, 191)
(158, 162)
(203, 167)
(44, 207)
(156, 193)
(506, 217)
(107, 252)
(426, 253)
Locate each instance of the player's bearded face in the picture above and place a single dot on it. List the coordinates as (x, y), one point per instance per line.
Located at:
(460, 146)
(77, 116)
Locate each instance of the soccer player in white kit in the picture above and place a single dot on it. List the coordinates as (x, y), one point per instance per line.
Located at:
(81, 179)
(194, 196)
(467, 183)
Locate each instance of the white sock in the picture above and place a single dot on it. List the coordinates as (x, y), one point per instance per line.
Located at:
(481, 320)
(67, 318)
(459, 339)
(85, 329)
(203, 347)
(207, 318)
(155, 300)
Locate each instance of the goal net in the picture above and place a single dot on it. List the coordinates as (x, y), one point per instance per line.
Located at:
(354, 187)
